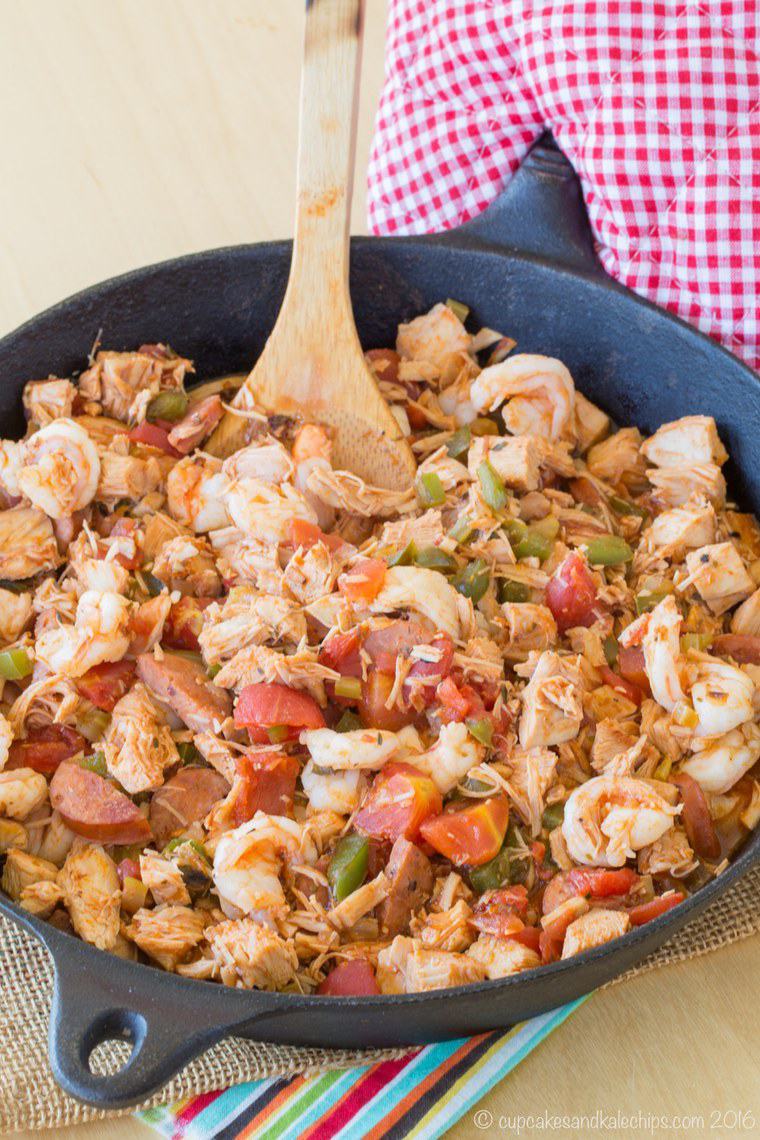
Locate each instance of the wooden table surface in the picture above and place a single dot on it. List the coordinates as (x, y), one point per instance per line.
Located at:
(134, 131)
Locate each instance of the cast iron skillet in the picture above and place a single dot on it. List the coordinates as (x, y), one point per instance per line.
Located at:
(526, 267)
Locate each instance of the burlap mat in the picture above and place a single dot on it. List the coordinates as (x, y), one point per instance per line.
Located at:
(30, 1098)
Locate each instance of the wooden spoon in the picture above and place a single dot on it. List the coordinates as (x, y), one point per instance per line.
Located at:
(313, 364)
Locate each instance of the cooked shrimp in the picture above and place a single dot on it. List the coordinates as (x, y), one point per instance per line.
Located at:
(195, 493)
(366, 748)
(609, 818)
(248, 859)
(722, 696)
(658, 633)
(540, 394)
(333, 790)
(61, 469)
(265, 459)
(452, 756)
(266, 511)
(422, 591)
(717, 767)
(100, 633)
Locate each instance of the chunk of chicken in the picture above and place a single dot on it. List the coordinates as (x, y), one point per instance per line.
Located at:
(438, 338)
(746, 618)
(21, 791)
(719, 576)
(530, 627)
(552, 708)
(593, 929)
(501, 957)
(126, 477)
(27, 543)
(675, 486)
(671, 854)
(682, 528)
(617, 458)
(21, 870)
(48, 400)
(163, 879)
(250, 956)
(311, 574)
(187, 564)
(41, 899)
(248, 617)
(168, 934)
(364, 899)
(591, 423)
(448, 929)
(258, 663)
(692, 439)
(408, 967)
(92, 894)
(531, 775)
(115, 378)
(515, 459)
(265, 459)
(138, 746)
(195, 490)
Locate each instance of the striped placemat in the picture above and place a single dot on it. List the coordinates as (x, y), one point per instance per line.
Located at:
(417, 1096)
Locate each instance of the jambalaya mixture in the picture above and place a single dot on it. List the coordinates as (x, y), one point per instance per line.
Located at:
(265, 724)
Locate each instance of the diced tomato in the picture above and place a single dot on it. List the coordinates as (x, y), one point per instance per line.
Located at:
(630, 691)
(352, 978)
(274, 705)
(373, 704)
(529, 936)
(469, 836)
(341, 651)
(697, 820)
(436, 670)
(384, 645)
(630, 663)
(45, 748)
(184, 623)
(364, 581)
(571, 593)
(267, 783)
(153, 436)
(645, 912)
(455, 703)
(743, 647)
(105, 684)
(598, 882)
(550, 948)
(400, 800)
(307, 534)
(499, 912)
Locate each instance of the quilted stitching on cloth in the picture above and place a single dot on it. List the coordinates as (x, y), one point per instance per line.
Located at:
(657, 105)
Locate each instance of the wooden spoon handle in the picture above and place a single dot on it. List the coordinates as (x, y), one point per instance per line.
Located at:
(326, 150)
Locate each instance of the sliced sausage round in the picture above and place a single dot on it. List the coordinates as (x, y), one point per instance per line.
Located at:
(183, 685)
(185, 798)
(91, 806)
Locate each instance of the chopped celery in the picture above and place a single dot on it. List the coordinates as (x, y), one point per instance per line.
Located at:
(430, 490)
(458, 308)
(459, 443)
(349, 687)
(510, 591)
(492, 486)
(15, 664)
(403, 557)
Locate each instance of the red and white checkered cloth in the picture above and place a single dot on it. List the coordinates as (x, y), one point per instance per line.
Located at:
(656, 104)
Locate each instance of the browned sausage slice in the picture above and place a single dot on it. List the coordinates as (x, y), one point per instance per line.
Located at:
(183, 685)
(185, 798)
(94, 808)
(411, 877)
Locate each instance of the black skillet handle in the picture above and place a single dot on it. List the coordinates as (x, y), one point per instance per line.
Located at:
(540, 212)
(166, 1027)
